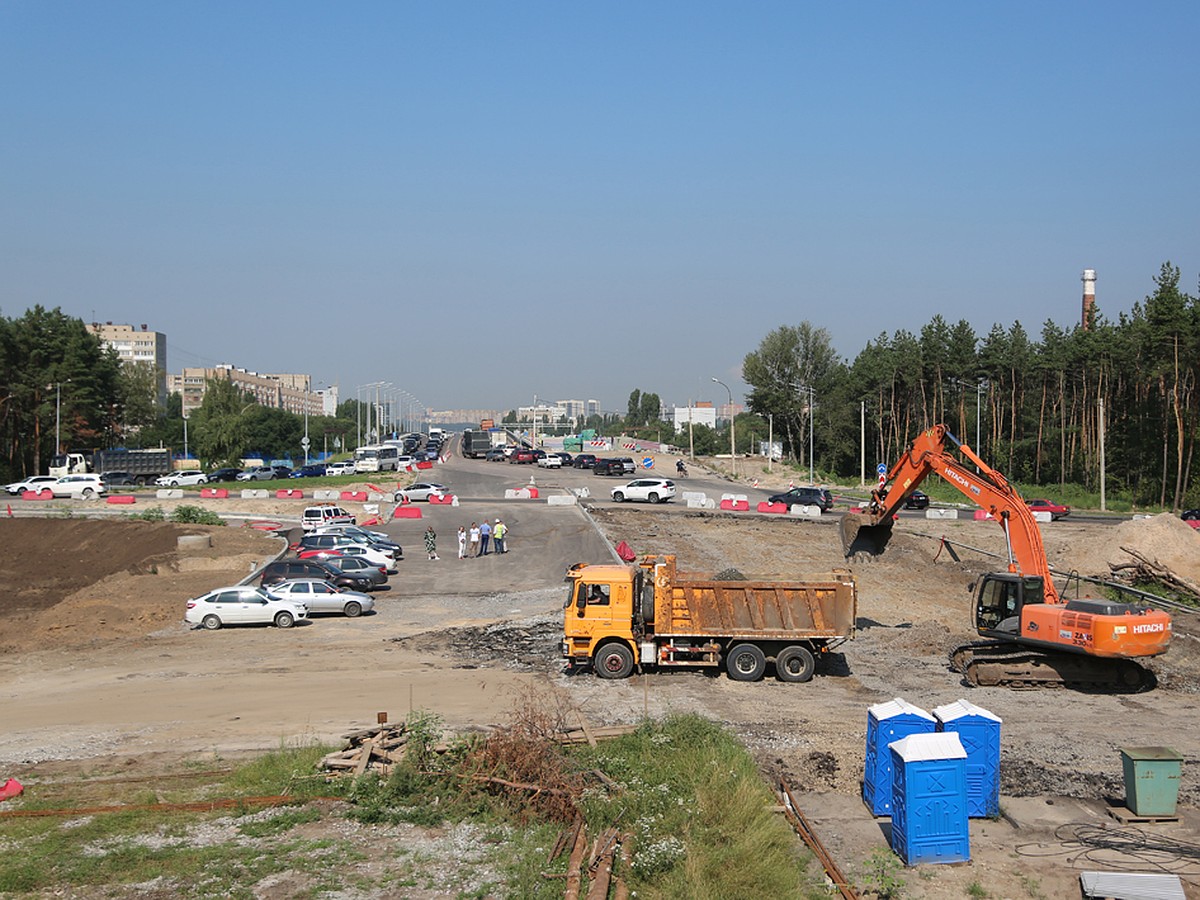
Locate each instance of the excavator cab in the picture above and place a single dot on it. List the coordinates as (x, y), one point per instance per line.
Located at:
(1000, 599)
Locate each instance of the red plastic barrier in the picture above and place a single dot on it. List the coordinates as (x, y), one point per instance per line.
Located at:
(981, 514)
(359, 496)
(406, 512)
(766, 507)
(736, 505)
(374, 520)
(214, 493)
(265, 526)
(10, 788)
(444, 500)
(425, 464)
(292, 494)
(120, 498)
(43, 494)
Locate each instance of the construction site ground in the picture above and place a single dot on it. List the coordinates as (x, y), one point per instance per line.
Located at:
(98, 671)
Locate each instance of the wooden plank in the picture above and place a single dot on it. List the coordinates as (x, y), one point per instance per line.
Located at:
(586, 730)
(367, 748)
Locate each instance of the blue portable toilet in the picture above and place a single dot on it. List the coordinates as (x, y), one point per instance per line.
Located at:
(888, 722)
(929, 799)
(979, 732)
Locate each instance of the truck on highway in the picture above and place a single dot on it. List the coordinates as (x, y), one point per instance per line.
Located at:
(144, 465)
(647, 614)
(475, 444)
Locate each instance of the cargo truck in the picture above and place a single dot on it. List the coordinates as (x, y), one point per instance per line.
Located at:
(475, 444)
(646, 614)
(143, 465)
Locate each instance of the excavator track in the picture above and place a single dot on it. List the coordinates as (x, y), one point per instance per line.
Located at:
(1002, 663)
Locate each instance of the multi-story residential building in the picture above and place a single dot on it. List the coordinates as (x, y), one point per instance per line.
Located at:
(292, 392)
(137, 345)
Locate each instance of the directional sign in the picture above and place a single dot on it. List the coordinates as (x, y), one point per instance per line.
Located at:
(881, 469)
(305, 443)
(647, 462)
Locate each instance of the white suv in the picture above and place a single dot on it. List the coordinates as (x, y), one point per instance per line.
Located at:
(655, 490)
(81, 487)
(315, 516)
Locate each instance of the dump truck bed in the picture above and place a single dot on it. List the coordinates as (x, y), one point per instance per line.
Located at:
(821, 607)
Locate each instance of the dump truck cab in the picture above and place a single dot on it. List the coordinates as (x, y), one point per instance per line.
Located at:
(599, 610)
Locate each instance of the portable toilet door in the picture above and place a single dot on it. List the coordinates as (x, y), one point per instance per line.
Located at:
(929, 799)
(979, 732)
(888, 722)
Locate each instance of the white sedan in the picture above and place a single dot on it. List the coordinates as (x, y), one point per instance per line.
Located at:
(243, 605)
(653, 490)
(345, 467)
(179, 479)
(322, 597)
(421, 490)
(33, 483)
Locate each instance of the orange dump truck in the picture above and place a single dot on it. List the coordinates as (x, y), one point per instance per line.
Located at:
(620, 616)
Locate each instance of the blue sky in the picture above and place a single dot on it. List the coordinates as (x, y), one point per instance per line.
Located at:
(483, 202)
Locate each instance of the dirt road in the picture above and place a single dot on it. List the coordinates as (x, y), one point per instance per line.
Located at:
(107, 668)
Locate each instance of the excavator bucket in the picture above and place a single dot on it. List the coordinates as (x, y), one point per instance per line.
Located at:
(861, 535)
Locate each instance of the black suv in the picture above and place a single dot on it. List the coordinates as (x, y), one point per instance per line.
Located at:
(584, 460)
(287, 569)
(609, 465)
(805, 496)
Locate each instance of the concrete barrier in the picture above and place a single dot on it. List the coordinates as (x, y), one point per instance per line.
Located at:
(561, 500)
(120, 498)
(168, 494)
(214, 493)
(291, 494)
(765, 507)
(255, 493)
(193, 541)
(941, 513)
(325, 494)
(701, 502)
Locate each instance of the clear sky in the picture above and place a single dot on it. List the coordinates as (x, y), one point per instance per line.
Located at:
(483, 202)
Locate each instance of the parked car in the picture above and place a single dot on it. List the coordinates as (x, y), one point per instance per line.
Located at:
(118, 479)
(356, 565)
(652, 490)
(420, 490)
(374, 538)
(79, 487)
(312, 470)
(1056, 510)
(550, 461)
(242, 605)
(496, 454)
(629, 465)
(343, 467)
(325, 514)
(608, 465)
(32, 483)
(181, 479)
(521, 456)
(405, 462)
(322, 597)
(917, 500)
(804, 496)
(346, 545)
(1191, 516)
(281, 472)
(584, 460)
(566, 458)
(291, 569)
(257, 473)
(225, 473)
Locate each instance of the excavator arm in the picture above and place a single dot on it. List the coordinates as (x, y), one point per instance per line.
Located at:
(868, 532)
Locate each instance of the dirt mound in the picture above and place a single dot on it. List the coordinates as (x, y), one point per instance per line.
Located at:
(1169, 541)
(79, 581)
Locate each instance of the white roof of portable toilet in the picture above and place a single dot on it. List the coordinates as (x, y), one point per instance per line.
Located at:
(897, 707)
(932, 745)
(960, 708)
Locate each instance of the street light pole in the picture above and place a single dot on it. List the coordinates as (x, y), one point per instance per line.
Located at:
(57, 416)
(812, 402)
(732, 443)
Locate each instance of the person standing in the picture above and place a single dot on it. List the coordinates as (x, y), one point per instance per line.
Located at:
(431, 543)
(485, 532)
(462, 542)
(474, 539)
(498, 533)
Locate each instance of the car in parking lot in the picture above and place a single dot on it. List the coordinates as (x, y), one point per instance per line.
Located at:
(257, 473)
(181, 479)
(324, 514)
(291, 569)
(804, 496)
(79, 487)
(32, 483)
(917, 500)
(584, 460)
(420, 490)
(322, 597)
(371, 538)
(242, 605)
(1056, 510)
(356, 565)
(652, 490)
(342, 467)
(225, 473)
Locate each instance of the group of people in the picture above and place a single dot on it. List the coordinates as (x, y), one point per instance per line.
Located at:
(478, 537)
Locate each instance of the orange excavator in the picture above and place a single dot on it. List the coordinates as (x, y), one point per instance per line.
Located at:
(1037, 637)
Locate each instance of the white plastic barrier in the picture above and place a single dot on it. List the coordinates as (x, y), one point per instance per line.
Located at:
(376, 496)
(327, 495)
(804, 510)
(255, 494)
(701, 502)
(1043, 517)
(941, 513)
(694, 495)
(168, 494)
(561, 500)
(583, 493)
(513, 494)
(371, 509)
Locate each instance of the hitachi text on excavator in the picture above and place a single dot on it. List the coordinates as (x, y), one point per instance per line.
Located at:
(1037, 637)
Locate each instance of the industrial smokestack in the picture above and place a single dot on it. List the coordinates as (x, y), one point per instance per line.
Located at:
(1089, 297)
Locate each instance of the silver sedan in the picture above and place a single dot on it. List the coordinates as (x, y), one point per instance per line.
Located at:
(322, 597)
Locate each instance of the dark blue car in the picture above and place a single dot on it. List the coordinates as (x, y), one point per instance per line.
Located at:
(310, 471)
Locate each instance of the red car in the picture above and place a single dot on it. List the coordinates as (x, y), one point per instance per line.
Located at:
(521, 456)
(1041, 504)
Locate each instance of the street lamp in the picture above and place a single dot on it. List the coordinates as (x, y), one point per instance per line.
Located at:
(812, 402)
(732, 445)
(978, 385)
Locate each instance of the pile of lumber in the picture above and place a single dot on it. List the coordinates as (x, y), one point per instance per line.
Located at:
(374, 749)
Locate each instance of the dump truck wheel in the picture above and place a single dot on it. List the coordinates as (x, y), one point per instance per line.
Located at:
(795, 664)
(745, 662)
(613, 661)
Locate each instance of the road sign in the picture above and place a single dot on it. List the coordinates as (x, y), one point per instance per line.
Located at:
(305, 443)
(647, 462)
(881, 469)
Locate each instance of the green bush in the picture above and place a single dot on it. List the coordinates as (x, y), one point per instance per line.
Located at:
(194, 515)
